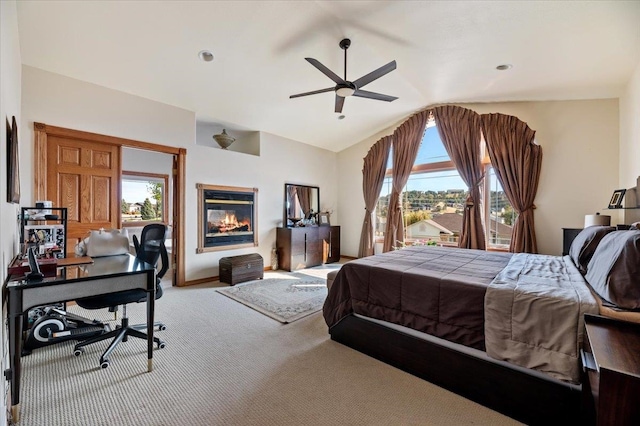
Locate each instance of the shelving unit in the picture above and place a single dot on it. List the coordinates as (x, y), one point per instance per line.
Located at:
(49, 236)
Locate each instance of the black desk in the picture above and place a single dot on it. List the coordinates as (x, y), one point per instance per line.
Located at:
(105, 275)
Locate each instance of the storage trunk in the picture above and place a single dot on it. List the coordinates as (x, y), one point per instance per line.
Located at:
(238, 269)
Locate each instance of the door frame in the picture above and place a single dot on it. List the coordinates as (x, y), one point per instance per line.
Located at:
(41, 132)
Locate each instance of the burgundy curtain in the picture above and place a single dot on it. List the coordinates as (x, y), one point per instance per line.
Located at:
(459, 129)
(406, 142)
(516, 160)
(375, 167)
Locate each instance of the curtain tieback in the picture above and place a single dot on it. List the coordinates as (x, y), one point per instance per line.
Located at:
(478, 182)
(531, 207)
(469, 202)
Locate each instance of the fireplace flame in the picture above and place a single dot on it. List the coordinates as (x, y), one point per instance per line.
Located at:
(230, 219)
(230, 223)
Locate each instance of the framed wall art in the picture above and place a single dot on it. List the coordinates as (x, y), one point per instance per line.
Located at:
(616, 199)
(13, 163)
(323, 219)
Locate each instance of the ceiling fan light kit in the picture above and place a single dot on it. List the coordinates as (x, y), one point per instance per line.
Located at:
(345, 88)
(345, 91)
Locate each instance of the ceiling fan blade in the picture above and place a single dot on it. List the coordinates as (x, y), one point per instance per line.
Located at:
(373, 95)
(326, 71)
(339, 103)
(373, 75)
(330, 89)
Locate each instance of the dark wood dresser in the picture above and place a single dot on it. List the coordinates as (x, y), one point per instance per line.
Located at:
(304, 247)
(611, 365)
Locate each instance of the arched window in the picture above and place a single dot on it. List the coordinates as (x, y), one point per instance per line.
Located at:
(434, 198)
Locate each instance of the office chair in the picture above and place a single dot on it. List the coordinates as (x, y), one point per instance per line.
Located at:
(149, 249)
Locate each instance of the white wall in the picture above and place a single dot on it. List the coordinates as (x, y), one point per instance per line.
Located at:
(9, 107)
(10, 82)
(630, 132)
(579, 142)
(61, 101)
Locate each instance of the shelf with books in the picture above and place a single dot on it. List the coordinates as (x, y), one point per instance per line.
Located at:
(45, 229)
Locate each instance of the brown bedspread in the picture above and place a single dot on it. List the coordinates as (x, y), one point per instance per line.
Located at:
(436, 290)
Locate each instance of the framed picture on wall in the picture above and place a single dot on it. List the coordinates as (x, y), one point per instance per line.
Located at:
(616, 199)
(13, 172)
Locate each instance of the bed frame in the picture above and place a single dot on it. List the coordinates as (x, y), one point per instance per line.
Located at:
(528, 398)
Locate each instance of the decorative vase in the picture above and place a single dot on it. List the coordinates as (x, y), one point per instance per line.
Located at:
(223, 139)
(274, 259)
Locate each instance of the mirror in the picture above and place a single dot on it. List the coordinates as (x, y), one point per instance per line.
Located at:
(299, 202)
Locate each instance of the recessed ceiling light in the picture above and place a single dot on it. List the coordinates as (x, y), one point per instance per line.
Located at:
(205, 55)
(504, 67)
(341, 117)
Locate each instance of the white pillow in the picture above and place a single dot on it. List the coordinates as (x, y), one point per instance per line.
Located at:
(107, 243)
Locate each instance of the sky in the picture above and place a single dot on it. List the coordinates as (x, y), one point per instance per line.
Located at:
(135, 191)
(431, 151)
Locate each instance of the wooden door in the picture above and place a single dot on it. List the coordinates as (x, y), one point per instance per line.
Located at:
(107, 150)
(83, 176)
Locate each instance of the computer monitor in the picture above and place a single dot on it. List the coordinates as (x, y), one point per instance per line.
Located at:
(35, 274)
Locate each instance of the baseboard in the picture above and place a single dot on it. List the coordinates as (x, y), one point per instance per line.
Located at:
(342, 256)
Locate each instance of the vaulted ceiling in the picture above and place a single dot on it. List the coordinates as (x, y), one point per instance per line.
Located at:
(446, 51)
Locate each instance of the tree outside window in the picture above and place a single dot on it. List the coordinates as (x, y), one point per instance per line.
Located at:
(143, 198)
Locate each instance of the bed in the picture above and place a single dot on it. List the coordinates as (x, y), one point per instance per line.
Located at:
(470, 320)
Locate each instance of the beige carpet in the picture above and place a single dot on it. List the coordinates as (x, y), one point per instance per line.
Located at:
(229, 365)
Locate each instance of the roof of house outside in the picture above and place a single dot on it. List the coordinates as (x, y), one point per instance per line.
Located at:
(450, 221)
(434, 225)
(453, 222)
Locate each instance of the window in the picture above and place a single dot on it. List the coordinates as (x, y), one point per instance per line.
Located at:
(499, 213)
(143, 198)
(434, 198)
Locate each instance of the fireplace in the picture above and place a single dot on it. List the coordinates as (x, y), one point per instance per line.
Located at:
(227, 217)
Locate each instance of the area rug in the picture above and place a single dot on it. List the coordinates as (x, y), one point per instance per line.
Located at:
(283, 299)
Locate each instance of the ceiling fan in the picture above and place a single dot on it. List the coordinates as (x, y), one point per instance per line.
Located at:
(343, 87)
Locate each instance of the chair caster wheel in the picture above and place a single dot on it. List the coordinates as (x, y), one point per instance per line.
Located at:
(161, 345)
(104, 364)
(162, 327)
(78, 352)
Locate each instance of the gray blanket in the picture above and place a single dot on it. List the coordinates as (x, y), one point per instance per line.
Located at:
(534, 310)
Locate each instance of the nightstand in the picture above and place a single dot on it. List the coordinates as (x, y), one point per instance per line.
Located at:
(568, 235)
(611, 366)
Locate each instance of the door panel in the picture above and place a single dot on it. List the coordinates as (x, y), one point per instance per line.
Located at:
(101, 189)
(70, 194)
(83, 176)
(69, 156)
